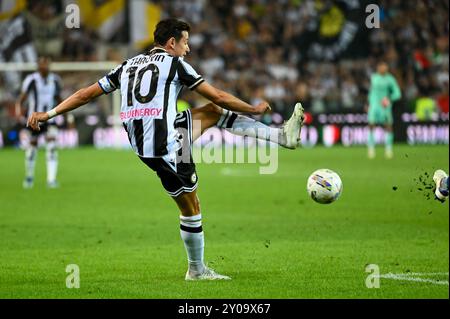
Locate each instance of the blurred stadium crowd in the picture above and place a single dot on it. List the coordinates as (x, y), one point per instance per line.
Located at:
(317, 51)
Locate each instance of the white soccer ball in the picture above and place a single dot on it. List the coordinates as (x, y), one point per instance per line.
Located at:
(324, 186)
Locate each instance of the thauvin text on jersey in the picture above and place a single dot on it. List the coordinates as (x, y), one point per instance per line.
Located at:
(147, 59)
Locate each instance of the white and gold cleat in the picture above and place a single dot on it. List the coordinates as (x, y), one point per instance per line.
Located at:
(290, 134)
(207, 274)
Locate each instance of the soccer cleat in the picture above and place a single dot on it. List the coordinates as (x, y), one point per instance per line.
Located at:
(371, 153)
(53, 184)
(440, 193)
(207, 274)
(28, 183)
(389, 154)
(290, 132)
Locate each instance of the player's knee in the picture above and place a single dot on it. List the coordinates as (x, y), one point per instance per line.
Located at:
(213, 109)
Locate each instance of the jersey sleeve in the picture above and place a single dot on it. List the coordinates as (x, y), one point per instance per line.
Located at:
(396, 93)
(111, 81)
(26, 84)
(188, 76)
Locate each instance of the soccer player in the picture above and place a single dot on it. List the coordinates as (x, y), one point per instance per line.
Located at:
(384, 90)
(442, 185)
(149, 85)
(42, 91)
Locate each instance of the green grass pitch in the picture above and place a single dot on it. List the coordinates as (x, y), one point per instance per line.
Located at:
(112, 218)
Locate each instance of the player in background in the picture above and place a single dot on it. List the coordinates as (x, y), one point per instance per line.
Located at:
(150, 84)
(42, 91)
(384, 90)
(442, 185)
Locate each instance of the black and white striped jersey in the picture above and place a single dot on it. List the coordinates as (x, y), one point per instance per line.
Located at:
(42, 93)
(149, 85)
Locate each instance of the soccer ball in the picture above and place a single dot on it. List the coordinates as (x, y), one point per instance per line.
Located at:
(324, 186)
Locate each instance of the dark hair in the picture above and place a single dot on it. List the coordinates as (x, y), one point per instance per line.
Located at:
(168, 28)
(44, 58)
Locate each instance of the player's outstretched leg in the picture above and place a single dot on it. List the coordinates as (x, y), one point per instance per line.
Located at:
(287, 136)
(193, 238)
(30, 163)
(442, 185)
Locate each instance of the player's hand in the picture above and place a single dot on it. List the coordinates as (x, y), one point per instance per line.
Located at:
(35, 118)
(385, 102)
(262, 107)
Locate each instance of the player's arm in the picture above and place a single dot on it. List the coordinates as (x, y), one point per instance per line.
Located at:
(79, 98)
(190, 78)
(25, 89)
(396, 93)
(19, 103)
(229, 101)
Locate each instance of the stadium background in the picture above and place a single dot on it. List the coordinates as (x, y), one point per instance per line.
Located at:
(318, 52)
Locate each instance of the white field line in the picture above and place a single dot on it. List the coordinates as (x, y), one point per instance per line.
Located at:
(423, 274)
(409, 277)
